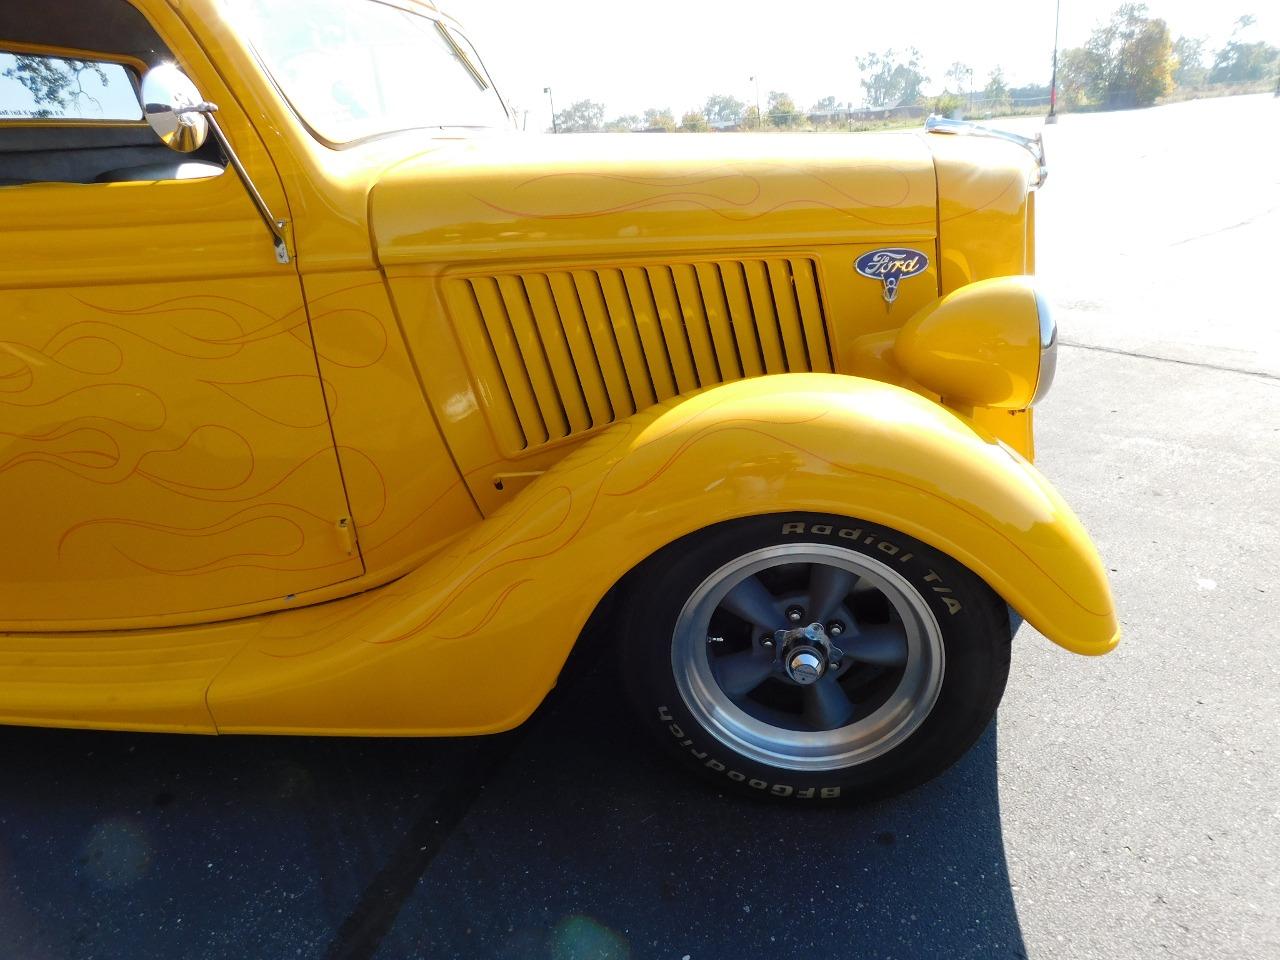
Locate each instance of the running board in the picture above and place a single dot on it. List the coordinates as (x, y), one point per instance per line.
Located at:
(115, 680)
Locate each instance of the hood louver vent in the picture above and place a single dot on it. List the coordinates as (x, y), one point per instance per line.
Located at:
(558, 353)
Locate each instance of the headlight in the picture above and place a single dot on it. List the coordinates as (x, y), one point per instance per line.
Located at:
(1048, 348)
(989, 344)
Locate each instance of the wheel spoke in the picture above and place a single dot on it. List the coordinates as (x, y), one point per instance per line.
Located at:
(826, 705)
(828, 586)
(740, 673)
(884, 646)
(751, 601)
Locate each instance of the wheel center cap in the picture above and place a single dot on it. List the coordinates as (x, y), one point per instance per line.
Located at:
(806, 653)
(806, 665)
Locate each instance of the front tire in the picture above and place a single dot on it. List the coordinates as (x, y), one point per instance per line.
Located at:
(812, 658)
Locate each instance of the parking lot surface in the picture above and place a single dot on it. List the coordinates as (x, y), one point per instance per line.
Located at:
(1126, 807)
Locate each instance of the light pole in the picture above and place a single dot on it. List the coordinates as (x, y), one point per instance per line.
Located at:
(1053, 84)
(759, 119)
(547, 91)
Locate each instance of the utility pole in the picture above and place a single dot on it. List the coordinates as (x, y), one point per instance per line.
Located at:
(759, 118)
(1053, 84)
(554, 128)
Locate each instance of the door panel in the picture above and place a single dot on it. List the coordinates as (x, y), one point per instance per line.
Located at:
(164, 440)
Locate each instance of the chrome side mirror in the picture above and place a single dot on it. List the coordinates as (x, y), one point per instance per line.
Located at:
(183, 120)
(174, 108)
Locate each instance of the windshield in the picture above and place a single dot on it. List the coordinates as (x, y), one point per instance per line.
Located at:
(354, 69)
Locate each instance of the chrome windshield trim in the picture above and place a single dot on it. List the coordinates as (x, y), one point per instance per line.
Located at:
(1034, 145)
(458, 52)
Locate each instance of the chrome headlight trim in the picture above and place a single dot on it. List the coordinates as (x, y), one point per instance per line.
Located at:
(1048, 348)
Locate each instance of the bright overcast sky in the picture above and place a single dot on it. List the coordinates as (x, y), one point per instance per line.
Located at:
(673, 53)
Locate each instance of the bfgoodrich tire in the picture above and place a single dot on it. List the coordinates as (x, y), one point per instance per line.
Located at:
(811, 658)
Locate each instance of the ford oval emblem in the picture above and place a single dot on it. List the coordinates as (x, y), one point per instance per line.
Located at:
(891, 265)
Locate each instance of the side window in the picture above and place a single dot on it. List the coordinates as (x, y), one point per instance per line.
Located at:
(69, 116)
(34, 86)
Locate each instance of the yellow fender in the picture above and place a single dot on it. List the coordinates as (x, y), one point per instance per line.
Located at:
(472, 641)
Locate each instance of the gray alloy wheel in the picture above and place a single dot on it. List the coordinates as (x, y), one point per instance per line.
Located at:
(808, 656)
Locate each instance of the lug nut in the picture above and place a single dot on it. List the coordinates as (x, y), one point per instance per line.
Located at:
(835, 628)
(766, 641)
(795, 614)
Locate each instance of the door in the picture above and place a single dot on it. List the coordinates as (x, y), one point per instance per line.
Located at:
(165, 450)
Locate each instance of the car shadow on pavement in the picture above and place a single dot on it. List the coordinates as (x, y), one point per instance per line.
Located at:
(567, 839)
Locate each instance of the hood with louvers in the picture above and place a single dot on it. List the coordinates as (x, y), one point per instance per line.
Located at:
(560, 352)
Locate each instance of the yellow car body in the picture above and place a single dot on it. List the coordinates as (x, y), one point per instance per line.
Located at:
(495, 375)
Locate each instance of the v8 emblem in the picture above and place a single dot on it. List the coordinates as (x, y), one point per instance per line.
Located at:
(892, 265)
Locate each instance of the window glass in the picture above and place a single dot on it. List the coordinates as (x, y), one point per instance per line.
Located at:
(358, 68)
(38, 87)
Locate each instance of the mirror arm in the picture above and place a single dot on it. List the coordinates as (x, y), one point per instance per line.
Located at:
(204, 106)
(275, 226)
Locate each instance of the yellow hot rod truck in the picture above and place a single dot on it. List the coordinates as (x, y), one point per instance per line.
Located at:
(331, 405)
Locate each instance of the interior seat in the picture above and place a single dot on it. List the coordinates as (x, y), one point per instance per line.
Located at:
(176, 169)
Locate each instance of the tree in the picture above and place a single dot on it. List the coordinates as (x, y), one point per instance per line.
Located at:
(54, 83)
(585, 116)
(751, 118)
(947, 104)
(1076, 76)
(1189, 54)
(886, 82)
(782, 110)
(623, 124)
(693, 121)
(1240, 62)
(996, 92)
(655, 119)
(826, 112)
(1244, 62)
(723, 109)
(1030, 91)
(1127, 62)
(962, 75)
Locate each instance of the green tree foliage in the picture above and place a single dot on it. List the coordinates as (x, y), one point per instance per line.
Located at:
(1243, 62)
(888, 81)
(751, 118)
(1240, 62)
(585, 116)
(782, 110)
(724, 109)
(693, 121)
(1031, 91)
(1189, 54)
(1127, 62)
(1077, 73)
(655, 119)
(948, 104)
(623, 124)
(996, 93)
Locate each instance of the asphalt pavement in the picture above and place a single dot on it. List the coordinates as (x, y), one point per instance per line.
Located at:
(1125, 807)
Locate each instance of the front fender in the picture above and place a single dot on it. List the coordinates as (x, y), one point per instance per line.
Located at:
(472, 641)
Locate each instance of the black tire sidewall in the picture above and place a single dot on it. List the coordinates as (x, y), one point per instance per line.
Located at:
(975, 632)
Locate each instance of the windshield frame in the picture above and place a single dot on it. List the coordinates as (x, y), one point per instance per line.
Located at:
(449, 30)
